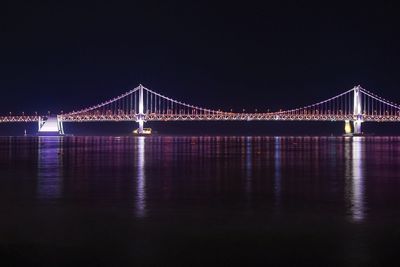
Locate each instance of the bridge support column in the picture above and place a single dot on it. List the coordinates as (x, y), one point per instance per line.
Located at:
(40, 123)
(357, 111)
(357, 126)
(60, 126)
(140, 129)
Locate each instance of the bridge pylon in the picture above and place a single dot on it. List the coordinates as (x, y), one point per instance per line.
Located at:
(140, 115)
(357, 110)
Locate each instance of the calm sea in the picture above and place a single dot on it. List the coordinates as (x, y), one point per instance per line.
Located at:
(199, 200)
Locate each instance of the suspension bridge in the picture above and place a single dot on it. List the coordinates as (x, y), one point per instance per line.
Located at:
(141, 105)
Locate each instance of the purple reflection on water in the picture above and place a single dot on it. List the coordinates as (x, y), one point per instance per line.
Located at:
(49, 167)
(140, 202)
(249, 163)
(277, 165)
(336, 197)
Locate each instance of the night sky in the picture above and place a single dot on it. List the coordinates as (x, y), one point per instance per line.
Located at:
(63, 55)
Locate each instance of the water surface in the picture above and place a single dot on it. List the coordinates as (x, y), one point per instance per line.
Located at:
(197, 200)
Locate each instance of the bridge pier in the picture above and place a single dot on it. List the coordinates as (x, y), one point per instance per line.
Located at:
(60, 126)
(357, 126)
(355, 129)
(140, 129)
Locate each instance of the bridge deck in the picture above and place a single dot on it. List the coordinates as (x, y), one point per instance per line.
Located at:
(228, 117)
(19, 118)
(210, 117)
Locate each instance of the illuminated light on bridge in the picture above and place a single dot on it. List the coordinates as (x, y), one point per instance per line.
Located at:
(141, 105)
(347, 127)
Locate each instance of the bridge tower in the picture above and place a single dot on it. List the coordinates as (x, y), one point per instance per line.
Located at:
(357, 111)
(140, 115)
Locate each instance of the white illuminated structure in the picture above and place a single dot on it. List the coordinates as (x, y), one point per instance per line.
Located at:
(50, 126)
(357, 110)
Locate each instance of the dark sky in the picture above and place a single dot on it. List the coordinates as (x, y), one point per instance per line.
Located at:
(59, 55)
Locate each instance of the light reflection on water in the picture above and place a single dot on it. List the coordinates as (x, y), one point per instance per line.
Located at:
(49, 167)
(141, 179)
(243, 194)
(354, 175)
(282, 167)
(277, 166)
(249, 163)
(50, 164)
